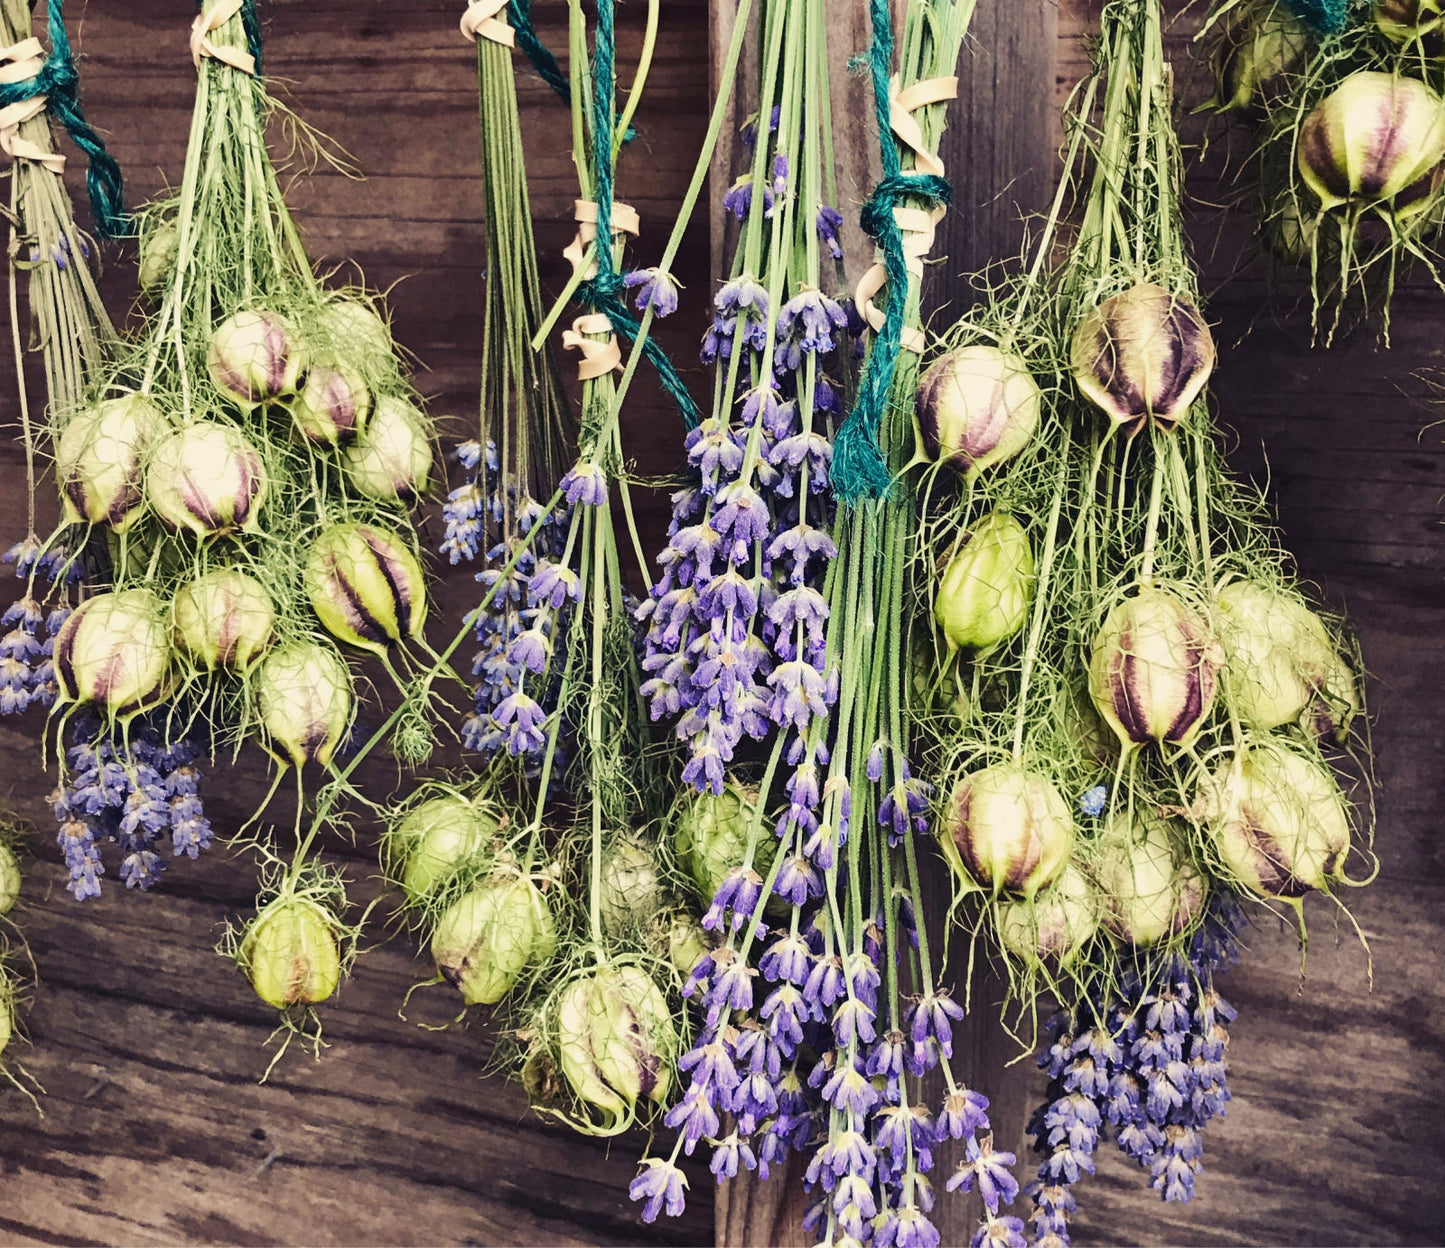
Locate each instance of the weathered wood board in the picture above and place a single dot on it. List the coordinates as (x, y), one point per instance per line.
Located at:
(150, 1045)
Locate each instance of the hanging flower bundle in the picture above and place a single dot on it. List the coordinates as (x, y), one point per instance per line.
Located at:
(1153, 715)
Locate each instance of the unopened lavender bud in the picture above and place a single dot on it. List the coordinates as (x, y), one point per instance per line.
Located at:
(206, 478)
(630, 891)
(98, 459)
(615, 1041)
(987, 586)
(256, 357)
(365, 586)
(1154, 668)
(291, 954)
(1376, 138)
(223, 618)
(1010, 828)
(976, 407)
(391, 458)
(114, 651)
(437, 839)
(1278, 820)
(1055, 925)
(1143, 355)
(1150, 888)
(712, 837)
(1277, 653)
(332, 405)
(1261, 42)
(303, 691)
(490, 935)
(9, 880)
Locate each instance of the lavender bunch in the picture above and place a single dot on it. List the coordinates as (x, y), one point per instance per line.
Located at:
(1145, 1060)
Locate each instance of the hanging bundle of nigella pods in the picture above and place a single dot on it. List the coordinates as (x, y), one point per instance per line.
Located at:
(1154, 706)
(239, 482)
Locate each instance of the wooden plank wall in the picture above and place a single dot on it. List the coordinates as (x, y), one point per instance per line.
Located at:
(155, 1129)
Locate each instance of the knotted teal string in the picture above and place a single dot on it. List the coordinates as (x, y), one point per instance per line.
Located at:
(60, 84)
(859, 470)
(603, 293)
(1327, 17)
(519, 18)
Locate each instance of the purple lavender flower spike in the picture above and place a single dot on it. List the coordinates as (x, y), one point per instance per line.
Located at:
(660, 1184)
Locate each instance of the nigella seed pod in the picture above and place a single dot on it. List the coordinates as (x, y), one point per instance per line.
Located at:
(391, 459)
(114, 651)
(1261, 43)
(365, 586)
(1278, 820)
(987, 585)
(7, 1011)
(1412, 21)
(223, 618)
(256, 357)
(630, 891)
(976, 407)
(333, 404)
(615, 1041)
(437, 839)
(1277, 653)
(353, 329)
(303, 691)
(1150, 889)
(1055, 925)
(1336, 703)
(491, 934)
(1154, 668)
(159, 246)
(1375, 139)
(98, 459)
(206, 478)
(1010, 830)
(1143, 355)
(711, 837)
(291, 953)
(9, 881)
(686, 941)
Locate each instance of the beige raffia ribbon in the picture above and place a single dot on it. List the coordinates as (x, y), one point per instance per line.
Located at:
(201, 45)
(17, 63)
(485, 19)
(917, 225)
(599, 356)
(624, 220)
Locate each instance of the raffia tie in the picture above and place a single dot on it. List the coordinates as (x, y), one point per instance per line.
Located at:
(624, 220)
(201, 45)
(486, 19)
(917, 225)
(17, 63)
(599, 356)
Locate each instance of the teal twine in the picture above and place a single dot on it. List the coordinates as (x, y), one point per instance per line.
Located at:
(1325, 17)
(859, 470)
(603, 293)
(519, 17)
(60, 84)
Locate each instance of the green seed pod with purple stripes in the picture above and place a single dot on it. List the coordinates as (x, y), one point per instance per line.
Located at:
(1375, 139)
(303, 692)
(1260, 44)
(1009, 830)
(365, 586)
(1055, 925)
(976, 407)
(1154, 669)
(224, 618)
(1412, 21)
(114, 651)
(1150, 889)
(987, 585)
(291, 953)
(1143, 356)
(99, 457)
(490, 935)
(256, 357)
(391, 459)
(206, 478)
(333, 404)
(1278, 820)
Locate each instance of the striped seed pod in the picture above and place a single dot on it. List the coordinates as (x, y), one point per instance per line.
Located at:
(1278, 820)
(1375, 139)
(1141, 356)
(1277, 653)
(977, 407)
(1154, 668)
(98, 460)
(1056, 925)
(332, 405)
(1150, 890)
(1260, 44)
(1412, 21)
(391, 459)
(365, 586)
(987, 585)
(256, 357)
(206, 478)
(438, 838)
(487, 937)
(1011, 829)
(114, 651)
(290, 953)
(303, 691)
(352, 329)
(223, 618)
